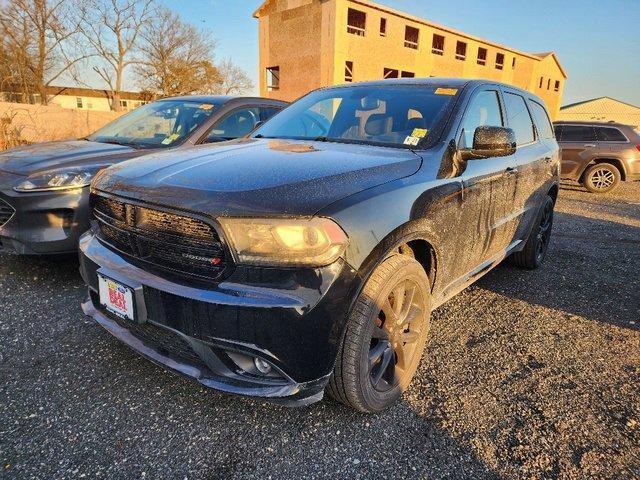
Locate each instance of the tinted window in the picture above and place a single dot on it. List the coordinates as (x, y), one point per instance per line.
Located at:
(542, 120)
(267, 112)
(518, 118)
(578, 133)
(484, 109)
(610, 134)
(391, 115)
(234, 125)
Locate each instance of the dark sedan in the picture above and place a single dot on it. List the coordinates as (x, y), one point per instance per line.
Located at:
(44, 188)
(309, 256)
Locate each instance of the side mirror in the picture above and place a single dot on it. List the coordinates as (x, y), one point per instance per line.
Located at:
(492, 142)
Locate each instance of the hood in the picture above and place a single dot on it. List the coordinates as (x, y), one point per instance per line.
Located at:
(41, 157)
(257, 176)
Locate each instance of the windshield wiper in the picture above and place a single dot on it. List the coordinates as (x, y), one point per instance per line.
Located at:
(321, 138)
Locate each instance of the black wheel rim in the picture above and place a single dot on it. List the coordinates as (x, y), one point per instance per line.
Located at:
(544, 231)
(602, 178)
(394, 342)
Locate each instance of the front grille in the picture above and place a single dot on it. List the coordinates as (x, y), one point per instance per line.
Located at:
(6, 212)
(166, 242)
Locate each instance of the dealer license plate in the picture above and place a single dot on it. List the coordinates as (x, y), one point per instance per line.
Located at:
(116, 297)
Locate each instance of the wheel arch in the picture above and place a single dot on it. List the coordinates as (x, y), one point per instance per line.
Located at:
(616, 162)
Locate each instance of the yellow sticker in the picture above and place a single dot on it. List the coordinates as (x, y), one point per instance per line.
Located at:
(206, 106)
(170, 138)
(419, 132)
(446, 91)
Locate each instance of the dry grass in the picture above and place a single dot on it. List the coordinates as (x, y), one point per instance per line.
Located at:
(21, 123)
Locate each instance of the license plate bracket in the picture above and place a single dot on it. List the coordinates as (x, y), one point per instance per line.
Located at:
(118, 298)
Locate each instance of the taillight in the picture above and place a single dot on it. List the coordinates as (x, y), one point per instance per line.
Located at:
(638, 147)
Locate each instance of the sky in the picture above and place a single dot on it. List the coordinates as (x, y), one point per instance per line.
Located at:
(597, 41)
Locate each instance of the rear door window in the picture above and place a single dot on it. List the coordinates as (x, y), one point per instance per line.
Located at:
(518, 118)
(609, 134)
(484, 110)
(578, 133)
(234, 125)
(542, 120)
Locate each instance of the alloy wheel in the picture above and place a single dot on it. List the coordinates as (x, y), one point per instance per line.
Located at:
(602, 178)
(396, 334)
(544, 231)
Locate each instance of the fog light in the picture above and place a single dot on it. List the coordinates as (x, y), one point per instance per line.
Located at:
(262, 366)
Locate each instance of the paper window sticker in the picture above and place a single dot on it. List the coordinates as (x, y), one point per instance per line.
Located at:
(446, 91)
(419, 132)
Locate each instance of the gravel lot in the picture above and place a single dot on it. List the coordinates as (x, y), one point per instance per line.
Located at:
(526, 375)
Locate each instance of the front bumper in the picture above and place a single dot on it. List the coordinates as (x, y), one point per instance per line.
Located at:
(44, 222)
(293, 319)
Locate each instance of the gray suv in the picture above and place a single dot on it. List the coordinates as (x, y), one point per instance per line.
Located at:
(599, 155)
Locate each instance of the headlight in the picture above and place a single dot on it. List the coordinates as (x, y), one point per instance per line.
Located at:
(311, 242)
(55, 181)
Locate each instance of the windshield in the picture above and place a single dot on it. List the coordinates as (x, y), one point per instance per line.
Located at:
(155, 125)
(393, 115)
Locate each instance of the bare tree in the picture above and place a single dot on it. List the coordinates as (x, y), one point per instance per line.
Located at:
(112, 30)
(176, 57)
(234, 80)
(38, 43)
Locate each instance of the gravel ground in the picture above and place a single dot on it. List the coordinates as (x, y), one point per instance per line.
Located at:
(526, 375)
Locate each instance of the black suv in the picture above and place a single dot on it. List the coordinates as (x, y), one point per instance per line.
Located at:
(309, 257)
(599, 155)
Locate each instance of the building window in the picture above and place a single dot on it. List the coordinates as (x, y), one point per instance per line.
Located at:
(541, 79)
(556, 86)
(499, 61)
(124, 103)
(437, 44)
(273, 78)
(548, 84)
(356, 22)
(411, 36)
(461, 50)
(407, 75)
(390, 73)
(79, 102)
(348, 71)
(482, 56)
(513, 63)
(383, 27)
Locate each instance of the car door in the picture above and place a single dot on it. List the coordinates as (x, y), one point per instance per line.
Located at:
(578, 143)
(532, 160)
(488, 184)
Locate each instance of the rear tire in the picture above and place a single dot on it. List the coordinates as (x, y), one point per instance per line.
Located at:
(601, 178)
(385, 337)
(535, 250)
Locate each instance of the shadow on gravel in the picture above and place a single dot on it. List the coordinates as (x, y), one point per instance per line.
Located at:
(591, 271)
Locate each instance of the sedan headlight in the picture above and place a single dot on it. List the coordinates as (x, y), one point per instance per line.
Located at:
(55, 181)
(307, 242)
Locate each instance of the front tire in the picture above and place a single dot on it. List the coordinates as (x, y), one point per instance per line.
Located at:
(601, 178)
(535, 250)
(385, 337)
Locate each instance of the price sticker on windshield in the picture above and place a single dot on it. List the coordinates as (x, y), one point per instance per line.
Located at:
(419, 132)
(411, 140)
(446, 91)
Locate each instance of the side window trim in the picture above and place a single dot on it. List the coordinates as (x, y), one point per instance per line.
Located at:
(526, 103)
(472, 97)
(533, 117)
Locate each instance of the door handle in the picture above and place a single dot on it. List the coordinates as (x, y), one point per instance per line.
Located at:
(510, 171)
(591, 145)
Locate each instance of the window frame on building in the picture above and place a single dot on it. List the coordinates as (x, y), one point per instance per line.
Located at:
(513, 63)
(79, 102)
(499, 61)
(348, 71)
(556, 86)
(461, 53)
(383, 26)
(434, 48)
(482, 60)
(549, 84)
(541, 82)
(356, 22)
(390, 73)
(410, 40)
(273, 73)
(406, 74)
